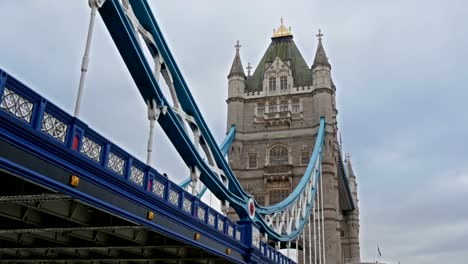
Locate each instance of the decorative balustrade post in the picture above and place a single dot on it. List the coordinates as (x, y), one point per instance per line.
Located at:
(251, 238)
(38, 114)
(75, 138)
(3, 77)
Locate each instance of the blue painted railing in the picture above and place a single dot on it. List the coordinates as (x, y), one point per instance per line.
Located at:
(39, 126)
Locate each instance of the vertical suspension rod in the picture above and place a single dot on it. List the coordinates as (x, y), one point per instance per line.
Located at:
(323, 217)
(303, 245)
(315, 234)
(153, 114)
(310, 244)
(152, 110)
(85, 62)
(318, 223)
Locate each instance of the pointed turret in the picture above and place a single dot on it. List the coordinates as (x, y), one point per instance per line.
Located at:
(324, 96)
(237, 68)
(349, 167)
(320, 55)
(352, 219)
(236, 89)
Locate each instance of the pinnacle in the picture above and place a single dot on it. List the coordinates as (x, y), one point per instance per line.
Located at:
(237, 68)
(320, 55)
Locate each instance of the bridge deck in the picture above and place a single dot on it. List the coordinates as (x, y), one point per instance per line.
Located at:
(70, 194)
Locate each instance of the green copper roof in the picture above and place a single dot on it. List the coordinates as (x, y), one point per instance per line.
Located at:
(285, 49)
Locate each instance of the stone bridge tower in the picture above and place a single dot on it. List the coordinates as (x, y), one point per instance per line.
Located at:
(276, 110)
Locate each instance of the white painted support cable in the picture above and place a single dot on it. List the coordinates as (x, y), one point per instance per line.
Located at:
(315, 235)
(152, 119)
(303, 246)
(157, 66)
(297, 248)
(195, 176)
(310, 244)
(153, 114)
(225, 207)
(319, 237)
(323, 217)
(85, 61)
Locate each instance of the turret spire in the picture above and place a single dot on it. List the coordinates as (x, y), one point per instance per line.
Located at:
(320, 56)
(249, 68)
(348, 164)
(237, 68)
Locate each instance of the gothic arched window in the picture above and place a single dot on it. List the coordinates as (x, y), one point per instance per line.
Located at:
(272, 83)
(278, 155)
(283, 83)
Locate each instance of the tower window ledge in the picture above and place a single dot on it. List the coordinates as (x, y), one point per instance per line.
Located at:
(282, 177)
(278, 169)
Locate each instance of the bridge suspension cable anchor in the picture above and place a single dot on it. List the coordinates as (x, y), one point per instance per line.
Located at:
(153, 115)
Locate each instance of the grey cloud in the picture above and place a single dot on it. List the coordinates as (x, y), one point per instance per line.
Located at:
(399, 67)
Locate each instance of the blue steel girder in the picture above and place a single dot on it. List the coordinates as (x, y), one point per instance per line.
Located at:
(126, 41)
(146, 18)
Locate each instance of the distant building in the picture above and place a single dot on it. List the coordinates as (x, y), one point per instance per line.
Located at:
(277, 109)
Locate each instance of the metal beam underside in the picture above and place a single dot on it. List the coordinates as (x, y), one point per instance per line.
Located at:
(40, 226)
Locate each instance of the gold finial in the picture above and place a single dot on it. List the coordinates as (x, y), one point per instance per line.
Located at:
(282, 31)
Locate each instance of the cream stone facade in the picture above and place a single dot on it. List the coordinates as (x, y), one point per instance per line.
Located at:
(276, 111)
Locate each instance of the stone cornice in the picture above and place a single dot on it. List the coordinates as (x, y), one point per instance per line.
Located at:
(235, 99)
(323, 90)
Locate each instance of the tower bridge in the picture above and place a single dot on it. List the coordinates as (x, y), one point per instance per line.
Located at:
(69, 195)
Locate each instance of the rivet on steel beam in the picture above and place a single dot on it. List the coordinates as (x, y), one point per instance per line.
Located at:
(197, 236)
(150, 215)
(74, 180)
(228, 251)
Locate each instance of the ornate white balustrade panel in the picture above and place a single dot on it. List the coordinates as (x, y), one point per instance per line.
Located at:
(16, 105)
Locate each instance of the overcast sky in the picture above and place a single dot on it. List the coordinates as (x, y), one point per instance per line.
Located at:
(400, 68)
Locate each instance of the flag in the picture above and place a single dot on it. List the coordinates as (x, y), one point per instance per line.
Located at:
(378, 250)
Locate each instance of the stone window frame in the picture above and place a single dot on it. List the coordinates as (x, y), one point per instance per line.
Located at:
(272, 107)
(283, 83)
(281, 194)
(288, 154)
(261, 109)
(284, 106)
(305, 157)
(252, 159)
(272, 84)
(296, 105)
